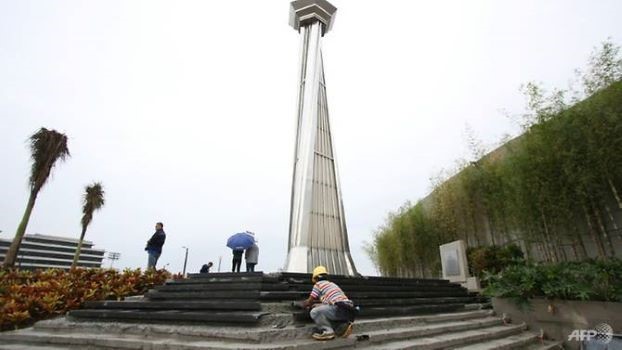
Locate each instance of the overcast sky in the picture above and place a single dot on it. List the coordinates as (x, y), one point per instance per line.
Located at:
(185, 110)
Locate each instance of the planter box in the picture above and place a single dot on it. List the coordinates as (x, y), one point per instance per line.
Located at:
(558, 318)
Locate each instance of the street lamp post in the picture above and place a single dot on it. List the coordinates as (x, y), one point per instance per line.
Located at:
(112, 256)
(185, 261)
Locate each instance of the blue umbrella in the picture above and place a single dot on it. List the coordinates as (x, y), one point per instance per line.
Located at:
(241, 241)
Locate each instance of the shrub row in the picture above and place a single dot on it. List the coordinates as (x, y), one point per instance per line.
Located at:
(26, 296)
(588, 280)
(493, 259)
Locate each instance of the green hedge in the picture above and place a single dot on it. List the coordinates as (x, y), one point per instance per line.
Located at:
(593, 280)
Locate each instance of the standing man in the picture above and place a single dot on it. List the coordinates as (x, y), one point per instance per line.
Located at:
(252, 257)
(154, 245)
(237, 260)
(331, 310)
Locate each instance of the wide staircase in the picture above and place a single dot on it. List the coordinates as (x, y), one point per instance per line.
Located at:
(261, 311)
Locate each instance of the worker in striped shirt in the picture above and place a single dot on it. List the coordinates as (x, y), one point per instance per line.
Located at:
(329, 305)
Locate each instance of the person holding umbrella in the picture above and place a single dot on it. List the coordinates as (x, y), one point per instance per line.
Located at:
(238, 243)
(237, 260)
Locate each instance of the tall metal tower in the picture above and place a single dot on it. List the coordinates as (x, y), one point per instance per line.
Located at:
(317, 228)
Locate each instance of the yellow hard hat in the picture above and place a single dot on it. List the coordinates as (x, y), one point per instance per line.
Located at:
(319, 270)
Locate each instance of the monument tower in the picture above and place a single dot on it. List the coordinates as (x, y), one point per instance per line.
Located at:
(317, 228)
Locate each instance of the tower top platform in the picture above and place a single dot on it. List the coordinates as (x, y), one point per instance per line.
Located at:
(305, 12)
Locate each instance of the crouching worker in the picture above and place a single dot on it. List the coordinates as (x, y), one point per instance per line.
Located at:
(331, 310)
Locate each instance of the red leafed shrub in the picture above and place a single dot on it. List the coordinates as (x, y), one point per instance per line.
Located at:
(27, 296)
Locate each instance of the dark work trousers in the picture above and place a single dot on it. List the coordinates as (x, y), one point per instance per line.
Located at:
(236, 265)
(250, 267)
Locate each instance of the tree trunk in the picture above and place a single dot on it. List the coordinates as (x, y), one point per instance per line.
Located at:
(11, 254)
(579, 240)
(613, 221)
(467, 239)
(474, 222)
(575, 252)
(491, 229)
(603, 229)
(544, 253)
(506, 228)
(562, 250)
(547, 239)
(615, 192)
(595, 238)
(527, 249)
(76, 257)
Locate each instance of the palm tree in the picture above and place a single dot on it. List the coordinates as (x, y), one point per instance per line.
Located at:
(46, 147)
(93, 200)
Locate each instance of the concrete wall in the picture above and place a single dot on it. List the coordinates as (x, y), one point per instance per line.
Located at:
(610, 217)
(558, 318)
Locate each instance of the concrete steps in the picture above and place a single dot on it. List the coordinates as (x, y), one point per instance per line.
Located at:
(449, 338)
(441, 331)
(522, 341)
(517, 341)
(171, 316)
(176, 305)
(260, 311)
(247, 334)
(546, 345)
(33, 347)
(293, 295)
(426, 332)
(251, 298)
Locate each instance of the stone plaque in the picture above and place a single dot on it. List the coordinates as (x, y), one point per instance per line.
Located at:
(454, 261)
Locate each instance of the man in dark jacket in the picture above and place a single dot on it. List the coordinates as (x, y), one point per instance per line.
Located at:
(154, 245)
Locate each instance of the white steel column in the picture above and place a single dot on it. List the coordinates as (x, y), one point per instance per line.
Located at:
(317, 234)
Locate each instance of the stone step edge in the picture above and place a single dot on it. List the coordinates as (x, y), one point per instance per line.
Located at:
(517, 341)
(35, 347)
(423, 331)
(244, 333)
(134, 342)
(478, 306)
(281, 339)
(103, 341)
(371, 324)
(448, 341)
(106, 341)
(547, 345)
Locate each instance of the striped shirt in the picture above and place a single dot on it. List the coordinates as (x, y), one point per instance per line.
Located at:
(328, 293)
